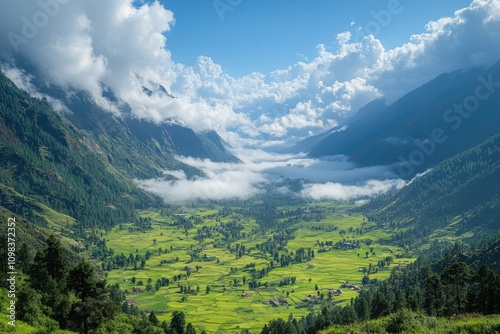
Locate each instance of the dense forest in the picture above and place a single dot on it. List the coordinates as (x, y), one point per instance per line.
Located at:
(46, 161)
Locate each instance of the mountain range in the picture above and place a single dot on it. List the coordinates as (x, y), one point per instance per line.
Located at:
(76, 169)
(63, 168)
(448, 115)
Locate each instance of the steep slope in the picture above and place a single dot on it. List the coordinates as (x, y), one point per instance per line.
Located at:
(81, 164)
(45, 162)
(459, 196)
(310, 143)
(456, 111)
(140, 148)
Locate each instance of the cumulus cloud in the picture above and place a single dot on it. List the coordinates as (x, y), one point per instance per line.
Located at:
(93, 45)
(310, 96)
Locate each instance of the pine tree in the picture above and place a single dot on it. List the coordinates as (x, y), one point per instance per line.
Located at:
(25, 258)
(153, 319)
(190, 329)
(456, 277)
(48, 276)
(178, 322)
(93, 305)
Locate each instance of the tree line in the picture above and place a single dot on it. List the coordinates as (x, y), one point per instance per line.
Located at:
(56, 293)
(436, 284)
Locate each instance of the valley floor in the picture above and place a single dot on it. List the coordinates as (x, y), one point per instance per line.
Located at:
(211, 256)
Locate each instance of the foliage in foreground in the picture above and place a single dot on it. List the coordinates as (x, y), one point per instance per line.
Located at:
(410, 297)
(54, 297)
(406, 321)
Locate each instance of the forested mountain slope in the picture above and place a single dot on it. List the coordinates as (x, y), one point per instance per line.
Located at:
(45, 159)
(79, 167)
(462, 107)
(458, 196)
(141, 148)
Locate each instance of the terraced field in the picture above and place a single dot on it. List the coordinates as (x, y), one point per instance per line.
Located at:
(337, 247)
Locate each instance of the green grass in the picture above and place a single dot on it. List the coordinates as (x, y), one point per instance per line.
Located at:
(413, 323)
(56, 221)
(224, 308)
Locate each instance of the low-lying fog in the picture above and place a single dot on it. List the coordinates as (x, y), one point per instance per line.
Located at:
(332, 178)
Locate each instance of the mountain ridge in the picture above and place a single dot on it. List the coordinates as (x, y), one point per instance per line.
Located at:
(394, 134)
(441, 201)
(83, 164)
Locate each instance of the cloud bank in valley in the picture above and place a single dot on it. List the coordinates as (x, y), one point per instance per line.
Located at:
(338, 191)
(222, 181)
(120, 46)
(334, 179)
(94, 46)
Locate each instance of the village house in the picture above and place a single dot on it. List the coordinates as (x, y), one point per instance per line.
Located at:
(137, 290)
(276, 303)
(350, 286)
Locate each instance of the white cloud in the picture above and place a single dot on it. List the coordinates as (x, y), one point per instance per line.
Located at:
(228, 182)
(24, 81)
(222, 181)
(334, 179)
(338, 191)
(91, 44)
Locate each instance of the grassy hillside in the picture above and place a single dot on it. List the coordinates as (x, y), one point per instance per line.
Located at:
(457, 198)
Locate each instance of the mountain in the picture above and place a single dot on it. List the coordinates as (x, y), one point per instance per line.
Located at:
(458, 197)
(444, 117)
(309, 143)
(141, 148)
(73, 171)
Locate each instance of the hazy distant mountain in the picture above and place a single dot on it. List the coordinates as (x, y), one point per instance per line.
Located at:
(309, 143)
(442, 118)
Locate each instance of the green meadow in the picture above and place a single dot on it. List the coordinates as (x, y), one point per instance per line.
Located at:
(229, 305)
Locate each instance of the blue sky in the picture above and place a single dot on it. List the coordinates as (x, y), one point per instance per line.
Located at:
(260, 73)
(205, 62)
(263, 35)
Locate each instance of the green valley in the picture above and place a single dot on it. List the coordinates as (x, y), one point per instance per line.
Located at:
(354, 191)
(217, 264)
